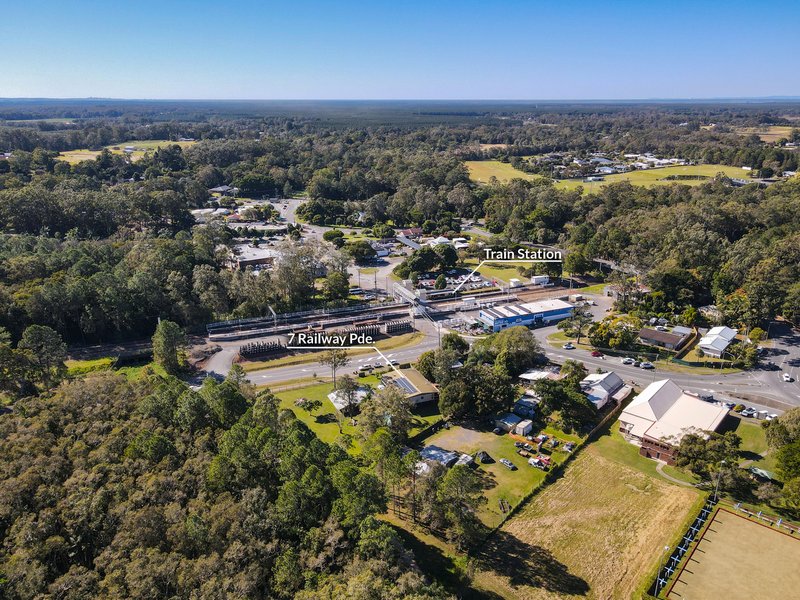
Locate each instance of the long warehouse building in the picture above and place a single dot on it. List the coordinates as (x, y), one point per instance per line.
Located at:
(531, 314)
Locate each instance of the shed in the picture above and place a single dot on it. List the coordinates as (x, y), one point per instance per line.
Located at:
(524, 427)
(507, 422)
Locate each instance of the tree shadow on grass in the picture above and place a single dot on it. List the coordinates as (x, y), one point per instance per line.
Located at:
(326, 418)
(529, 565)
(435, 563)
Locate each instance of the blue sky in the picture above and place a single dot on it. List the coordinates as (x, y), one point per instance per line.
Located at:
(434, 49)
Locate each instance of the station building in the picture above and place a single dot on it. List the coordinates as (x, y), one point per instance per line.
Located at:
(531, 314)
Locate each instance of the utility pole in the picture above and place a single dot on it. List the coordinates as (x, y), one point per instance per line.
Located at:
(719, 476)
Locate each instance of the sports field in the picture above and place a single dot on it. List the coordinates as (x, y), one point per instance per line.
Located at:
(659, 176)
(142, 146)
(740, 559)
(481, 171)
(594, 533)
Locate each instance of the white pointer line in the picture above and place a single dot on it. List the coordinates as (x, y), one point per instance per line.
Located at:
(388, 362)
(501, 260)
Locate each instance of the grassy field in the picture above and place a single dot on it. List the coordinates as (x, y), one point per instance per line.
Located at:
(716, 568)
(499, 482)
(650, 177)
(500, 271)
(392, 343)
(770, 133)
(481, 171)
(323, 422)
(593, 533)
(142, 146)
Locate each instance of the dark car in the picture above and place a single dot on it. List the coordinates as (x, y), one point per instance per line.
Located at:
(497, 431)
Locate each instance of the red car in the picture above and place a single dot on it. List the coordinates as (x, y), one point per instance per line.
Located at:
(596, 353)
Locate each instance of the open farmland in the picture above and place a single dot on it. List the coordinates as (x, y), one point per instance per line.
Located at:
(594, 533)
(714, 569)
(659, 176)
(769, 133)
(481, 171)
(142, 147)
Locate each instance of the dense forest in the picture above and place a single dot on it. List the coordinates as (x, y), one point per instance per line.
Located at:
(113, 489)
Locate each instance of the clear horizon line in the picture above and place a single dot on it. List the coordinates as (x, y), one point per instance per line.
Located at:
(365, 99)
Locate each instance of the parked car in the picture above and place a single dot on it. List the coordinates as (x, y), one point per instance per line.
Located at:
(749, 412)
(647, 365)
(596, 353)
(636, 363)
(771, 416)
(536, 462)
(628, 360)
(394, 362)
(787, 378)
(569, 446)
(508, 464)
(554, 442)
(528, 447)
(497, 431)
(568, 346)
(518, 444)
(661, 328)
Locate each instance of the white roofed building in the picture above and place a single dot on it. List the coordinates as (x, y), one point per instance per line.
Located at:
(601, 388)
(716, 341)
(659, 417)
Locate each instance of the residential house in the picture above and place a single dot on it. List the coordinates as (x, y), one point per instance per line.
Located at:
(601, 388)
(663, 339)
(413, 384)
(716, 341)
(526, 406)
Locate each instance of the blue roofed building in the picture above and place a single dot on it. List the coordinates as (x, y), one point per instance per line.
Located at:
(531, 314)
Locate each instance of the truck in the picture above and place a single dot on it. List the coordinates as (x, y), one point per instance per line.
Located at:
(540, 279)
(514, 283)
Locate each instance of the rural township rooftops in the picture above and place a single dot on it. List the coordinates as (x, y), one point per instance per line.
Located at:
(663, 411)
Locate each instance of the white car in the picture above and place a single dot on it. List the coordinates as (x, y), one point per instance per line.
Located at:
(647, 365)
(568, 346)
(787, 378)
(771, 416)
(628, 360)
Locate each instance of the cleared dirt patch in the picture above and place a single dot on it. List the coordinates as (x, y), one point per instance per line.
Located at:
(739, 559)
(595, 533)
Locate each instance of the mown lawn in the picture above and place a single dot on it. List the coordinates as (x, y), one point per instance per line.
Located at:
(323, 421)
(503, 272)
